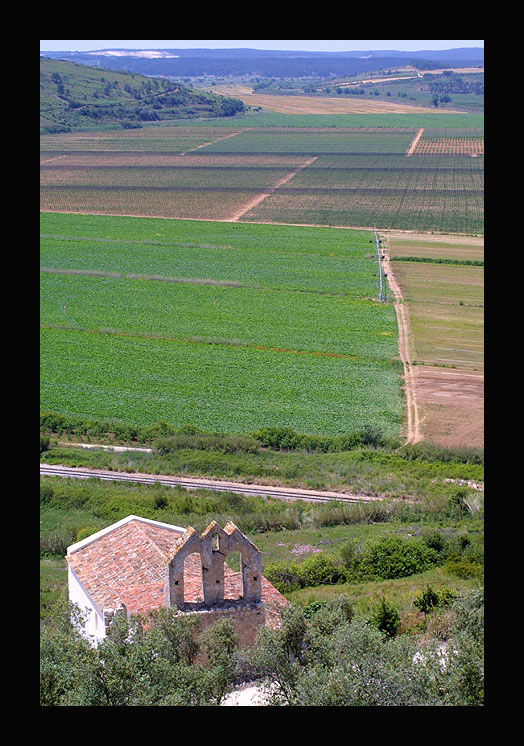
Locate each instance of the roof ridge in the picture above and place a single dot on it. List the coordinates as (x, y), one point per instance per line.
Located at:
(142, 529)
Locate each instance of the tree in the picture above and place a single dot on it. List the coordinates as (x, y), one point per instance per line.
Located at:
(146, 661)
(426, 600)
(330, 661)
(387, 618)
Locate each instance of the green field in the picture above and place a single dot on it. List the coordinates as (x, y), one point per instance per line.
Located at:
(228, 327)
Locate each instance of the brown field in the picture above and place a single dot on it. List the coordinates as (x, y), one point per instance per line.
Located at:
(440, 283)
(473, 146)
(446, 337)
(324, 105)
(435, 247)
(160, 203)
(451, 405)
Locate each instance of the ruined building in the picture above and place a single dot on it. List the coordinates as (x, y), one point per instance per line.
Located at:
(138, 564)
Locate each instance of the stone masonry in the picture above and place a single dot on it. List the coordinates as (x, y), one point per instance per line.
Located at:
(213, 546)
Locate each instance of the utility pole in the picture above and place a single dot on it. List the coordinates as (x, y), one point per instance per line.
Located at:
(381, 295)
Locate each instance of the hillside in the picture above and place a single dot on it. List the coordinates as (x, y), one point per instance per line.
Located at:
(75, 97)
(267, 63)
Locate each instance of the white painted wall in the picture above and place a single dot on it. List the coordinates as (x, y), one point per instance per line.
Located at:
(94, 623)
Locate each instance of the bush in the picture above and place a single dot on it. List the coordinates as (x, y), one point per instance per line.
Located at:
(319, 569)
(392, 557)
(425, 601)
(57, 541)
(85, 532)
(159, 502)
(386, 618)
(44, 443)
(206, 442)
(464, 568)
(434, 540)
(46, 493)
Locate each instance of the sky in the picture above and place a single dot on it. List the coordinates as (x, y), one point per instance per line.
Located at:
(309, 45)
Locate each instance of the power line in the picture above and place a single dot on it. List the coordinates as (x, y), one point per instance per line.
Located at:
(381, 296)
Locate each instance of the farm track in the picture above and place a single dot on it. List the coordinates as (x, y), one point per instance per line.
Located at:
(413, 423)
(193, 483)
(414, 144)
(263, 194)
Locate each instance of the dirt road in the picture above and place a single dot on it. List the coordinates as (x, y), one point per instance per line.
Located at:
(414, 143)
(261, 197)
(413, 425)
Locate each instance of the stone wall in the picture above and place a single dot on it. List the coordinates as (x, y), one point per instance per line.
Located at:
(247, 620)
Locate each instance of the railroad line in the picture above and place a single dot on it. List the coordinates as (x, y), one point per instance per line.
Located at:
(189, 483)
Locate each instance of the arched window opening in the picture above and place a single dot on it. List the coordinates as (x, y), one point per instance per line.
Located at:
(193, 587)
(234, 589)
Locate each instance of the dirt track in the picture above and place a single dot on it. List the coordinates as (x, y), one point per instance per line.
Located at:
(414, 143)
(413, 424)
(261, 197)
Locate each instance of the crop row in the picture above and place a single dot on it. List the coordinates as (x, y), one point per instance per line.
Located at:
(349, 275)
(218, 388)
(444, 210)
(332, 325)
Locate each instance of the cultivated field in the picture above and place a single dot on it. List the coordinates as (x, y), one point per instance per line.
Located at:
(361, 176)
(444, 293)
(227, 326)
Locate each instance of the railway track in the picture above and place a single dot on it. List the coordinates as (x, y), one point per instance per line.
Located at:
(189, 483)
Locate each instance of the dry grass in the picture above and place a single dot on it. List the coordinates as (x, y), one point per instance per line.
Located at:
(321, 105)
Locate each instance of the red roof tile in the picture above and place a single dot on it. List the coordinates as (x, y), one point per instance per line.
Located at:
(128, 564)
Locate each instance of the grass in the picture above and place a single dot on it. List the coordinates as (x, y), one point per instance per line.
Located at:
(399, 592)
(361, 471)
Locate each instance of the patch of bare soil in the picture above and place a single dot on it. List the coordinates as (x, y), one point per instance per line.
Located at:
(452, 406)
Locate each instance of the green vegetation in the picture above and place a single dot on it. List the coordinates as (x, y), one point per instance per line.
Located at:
(329, 656)
(76, 97)
(219, 325)
(273, 119)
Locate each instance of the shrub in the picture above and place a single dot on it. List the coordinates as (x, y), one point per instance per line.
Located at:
(57, 541)
(393, 557)
(44, 443)
(85, 532)
(371, 436)
(347, 553)
(434, 540)
(284, 576)
(46, 493)
(464, 568)
(206, 442)
(386, 618)
(159, 502)
(426, 600)
(320, 569)
(457, 504)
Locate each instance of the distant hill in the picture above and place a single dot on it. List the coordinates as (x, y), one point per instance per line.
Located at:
(74, 96)
(268, 63)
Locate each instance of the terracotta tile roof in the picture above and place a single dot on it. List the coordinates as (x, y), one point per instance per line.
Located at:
(128, 564)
